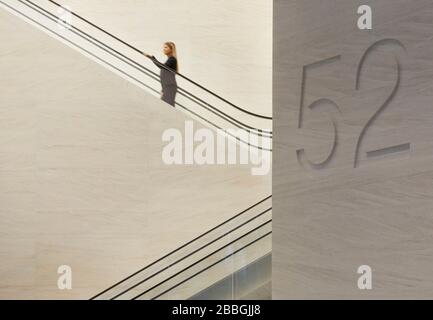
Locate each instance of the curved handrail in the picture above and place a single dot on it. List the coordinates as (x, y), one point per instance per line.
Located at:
(198, 236)
(119, 70)
(179, 74)
(155, 76)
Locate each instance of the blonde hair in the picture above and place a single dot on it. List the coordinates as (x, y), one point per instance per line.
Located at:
(172, 46)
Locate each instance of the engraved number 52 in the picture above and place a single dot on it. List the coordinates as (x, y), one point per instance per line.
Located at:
(301, 154)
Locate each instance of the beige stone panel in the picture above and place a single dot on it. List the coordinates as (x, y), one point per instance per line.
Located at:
(367, 208)
(82, 182)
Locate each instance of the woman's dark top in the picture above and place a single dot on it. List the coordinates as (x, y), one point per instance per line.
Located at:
(168, 69)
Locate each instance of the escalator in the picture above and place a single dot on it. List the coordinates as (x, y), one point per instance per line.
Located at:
(196, 268)
(228, 261)
(126, 60)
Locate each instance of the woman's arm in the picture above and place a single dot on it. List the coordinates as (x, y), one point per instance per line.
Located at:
(154, 60)
(170, 65)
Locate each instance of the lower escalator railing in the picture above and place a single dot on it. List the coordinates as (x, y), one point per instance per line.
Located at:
(203, 261)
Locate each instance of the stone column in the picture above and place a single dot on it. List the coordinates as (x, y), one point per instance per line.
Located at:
(353, 150)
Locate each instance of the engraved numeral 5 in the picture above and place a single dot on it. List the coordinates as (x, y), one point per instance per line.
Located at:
(301, 154)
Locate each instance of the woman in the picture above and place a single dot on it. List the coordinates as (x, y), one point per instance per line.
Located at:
(168, 72)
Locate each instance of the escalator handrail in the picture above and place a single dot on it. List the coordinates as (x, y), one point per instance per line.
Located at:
(208, 267)
(188, 243)
(153, 75)
(178, 74)
(206, 257)
(181, 247)
(191, 253)
(124, 73)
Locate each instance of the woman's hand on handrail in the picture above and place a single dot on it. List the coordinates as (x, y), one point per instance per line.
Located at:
(147, 55)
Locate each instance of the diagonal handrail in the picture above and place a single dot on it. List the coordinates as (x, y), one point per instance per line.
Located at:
(191, 253)
(208, 267)
(178, 74)
(149, 73)
(183, 246)
(119, 70)
(204, 258)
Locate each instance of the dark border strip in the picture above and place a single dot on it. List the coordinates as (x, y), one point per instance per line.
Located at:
(181, 247)
(144, 70)
(203, 259)
(190, 254)
(182, 76)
